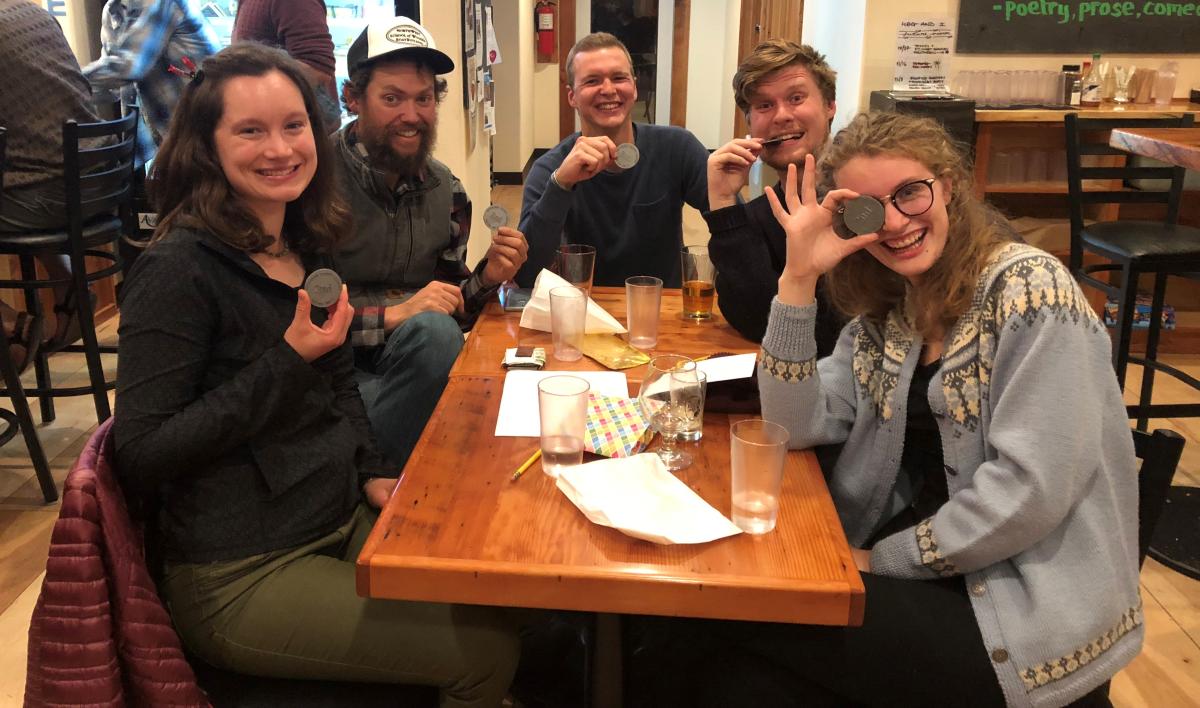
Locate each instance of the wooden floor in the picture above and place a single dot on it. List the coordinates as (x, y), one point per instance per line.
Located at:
(1166, 674)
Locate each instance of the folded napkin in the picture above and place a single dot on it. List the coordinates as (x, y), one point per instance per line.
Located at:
(639, 497)
(615, 426)
(536, 314)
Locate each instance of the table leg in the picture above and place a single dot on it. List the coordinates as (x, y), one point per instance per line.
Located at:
(607, 662)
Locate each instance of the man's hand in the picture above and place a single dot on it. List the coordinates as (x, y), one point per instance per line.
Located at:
(435, 297)
(378, 490)
(587, 158)
(507, 253)
(310, 341)
(862, 559)
(729, 170)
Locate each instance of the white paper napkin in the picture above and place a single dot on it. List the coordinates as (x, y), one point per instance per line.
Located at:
(536, 314)
(640, 498)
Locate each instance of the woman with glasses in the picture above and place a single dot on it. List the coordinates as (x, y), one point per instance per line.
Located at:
(987, 480)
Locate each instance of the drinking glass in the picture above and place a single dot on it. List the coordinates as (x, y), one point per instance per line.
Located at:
(699, 282)
(1122, 76)
(694, 430)
(562, 411)
(568, 316)
(643, 297)
(757, 449)
(667, 400)
(575, 264)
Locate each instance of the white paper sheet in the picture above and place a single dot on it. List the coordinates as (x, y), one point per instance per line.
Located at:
(639, 497)
(536, 314)
(724, 368)
(519, 402)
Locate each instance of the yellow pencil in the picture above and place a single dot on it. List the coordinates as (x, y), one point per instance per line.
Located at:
(527, 464)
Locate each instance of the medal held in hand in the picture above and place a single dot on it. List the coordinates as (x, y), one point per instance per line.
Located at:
(495, 216)
(323, 286)
(627, 155)
(861, 215)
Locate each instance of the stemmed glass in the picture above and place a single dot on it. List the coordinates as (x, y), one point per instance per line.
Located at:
(670, 397)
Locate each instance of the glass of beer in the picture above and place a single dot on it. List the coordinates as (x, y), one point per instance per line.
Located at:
(699, 282)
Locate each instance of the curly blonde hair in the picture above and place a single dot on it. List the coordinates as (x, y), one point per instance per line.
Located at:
(860, 284)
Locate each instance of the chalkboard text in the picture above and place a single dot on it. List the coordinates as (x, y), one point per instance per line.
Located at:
(1064, 13)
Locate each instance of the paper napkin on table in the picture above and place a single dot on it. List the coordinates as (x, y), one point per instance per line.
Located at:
(615, 426)
(536, 314)
(640, 498)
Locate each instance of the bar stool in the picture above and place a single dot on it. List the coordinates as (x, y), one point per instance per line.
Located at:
(1162, 248)
(98, 182)
(20, 419)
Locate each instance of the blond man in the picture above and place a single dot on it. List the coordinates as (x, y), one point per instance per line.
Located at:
(787, 93)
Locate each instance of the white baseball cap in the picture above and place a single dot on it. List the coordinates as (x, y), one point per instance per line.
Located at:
(397, 36)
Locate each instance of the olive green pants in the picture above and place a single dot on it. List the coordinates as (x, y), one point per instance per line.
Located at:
(295, 614)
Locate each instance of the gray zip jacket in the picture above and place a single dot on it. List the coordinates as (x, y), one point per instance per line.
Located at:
(1042, 514)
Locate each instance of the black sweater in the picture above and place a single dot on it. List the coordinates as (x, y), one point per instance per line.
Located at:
(246, 447)
(749, 249)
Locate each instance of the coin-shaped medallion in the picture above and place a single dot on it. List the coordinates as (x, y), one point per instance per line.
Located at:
(627, 155)
(495, 216)
(863, 215)
(324, 287)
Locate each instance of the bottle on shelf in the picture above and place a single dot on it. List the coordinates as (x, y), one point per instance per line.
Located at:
(1091, 84)
(1069, 96)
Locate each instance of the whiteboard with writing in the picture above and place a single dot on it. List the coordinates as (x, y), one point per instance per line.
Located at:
(924, 45)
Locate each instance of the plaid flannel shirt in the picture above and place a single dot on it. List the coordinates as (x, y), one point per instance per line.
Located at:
(370, 300)
(141, 38)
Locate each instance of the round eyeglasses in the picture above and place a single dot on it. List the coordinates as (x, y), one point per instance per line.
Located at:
(912, 198)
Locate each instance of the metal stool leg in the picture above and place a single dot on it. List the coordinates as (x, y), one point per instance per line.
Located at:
(1152, 335)
(1126, 308)
(12, 381)
(41, 364)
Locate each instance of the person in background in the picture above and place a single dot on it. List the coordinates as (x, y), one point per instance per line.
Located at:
(237, 411)
(302, 29)
(576, 194)
(41, 87)
(987, 486)
(142, 39)
(405, 259)
(785, 90)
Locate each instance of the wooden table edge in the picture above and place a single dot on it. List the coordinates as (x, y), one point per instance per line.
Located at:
(544, 586)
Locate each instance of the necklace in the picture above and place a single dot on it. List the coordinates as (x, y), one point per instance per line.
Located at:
(283, 250)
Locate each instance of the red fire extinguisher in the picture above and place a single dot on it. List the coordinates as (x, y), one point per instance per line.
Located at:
(544, 13)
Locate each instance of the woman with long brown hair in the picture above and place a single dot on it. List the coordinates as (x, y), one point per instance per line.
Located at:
(237, 408)
(987, 479)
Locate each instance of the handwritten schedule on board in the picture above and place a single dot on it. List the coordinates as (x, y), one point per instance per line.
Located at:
(924, 45)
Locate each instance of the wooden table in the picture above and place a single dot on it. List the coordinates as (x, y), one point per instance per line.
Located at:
(1176, 146)
(458, 530)
(497, 330)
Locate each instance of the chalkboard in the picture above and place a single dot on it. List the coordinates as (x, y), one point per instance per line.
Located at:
(1078, 26)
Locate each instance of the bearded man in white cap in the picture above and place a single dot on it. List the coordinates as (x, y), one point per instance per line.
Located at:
(405, 262)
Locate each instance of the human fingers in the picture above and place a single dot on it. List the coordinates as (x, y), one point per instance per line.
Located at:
(810, 180)
(776, 207)
(789, 191)
(731, 162)
(340, 315)
(303, 307)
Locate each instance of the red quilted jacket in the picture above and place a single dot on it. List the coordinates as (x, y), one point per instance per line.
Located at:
(100, 635)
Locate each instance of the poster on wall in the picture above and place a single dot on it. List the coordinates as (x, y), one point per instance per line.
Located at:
(924, 46)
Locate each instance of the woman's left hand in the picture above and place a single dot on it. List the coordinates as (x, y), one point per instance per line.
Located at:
(378, 490)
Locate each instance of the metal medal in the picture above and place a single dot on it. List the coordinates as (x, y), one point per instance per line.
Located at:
(324, 287)
(863, 215)
(495, 216)
(627, 155)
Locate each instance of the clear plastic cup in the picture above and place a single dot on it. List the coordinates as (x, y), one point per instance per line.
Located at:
(562, 410)
(643, 294)
(568, 315)
(757, 449)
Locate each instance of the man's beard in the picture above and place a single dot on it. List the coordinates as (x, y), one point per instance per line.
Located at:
(384, 157)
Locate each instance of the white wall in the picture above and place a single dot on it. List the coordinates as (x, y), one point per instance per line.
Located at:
(883, 17)
(513, 142)
(712, 60)
(462, 144)
(832, 27)
(546, 87)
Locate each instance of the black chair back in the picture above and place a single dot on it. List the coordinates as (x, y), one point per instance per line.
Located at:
(99, 180)
(1089, 136)
(1160, 452)
(3, 145)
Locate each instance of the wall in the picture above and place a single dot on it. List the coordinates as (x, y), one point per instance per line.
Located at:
(514, 77)
(462, 145)
(879, 53)
(76, 16)
(825, 23)
(712, 59)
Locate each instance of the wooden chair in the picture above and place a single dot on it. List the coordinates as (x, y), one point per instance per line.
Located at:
(1161, 248)
(98, 185)
(20, 419)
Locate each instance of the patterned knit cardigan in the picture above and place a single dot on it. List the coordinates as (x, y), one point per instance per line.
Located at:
(1039, 463)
